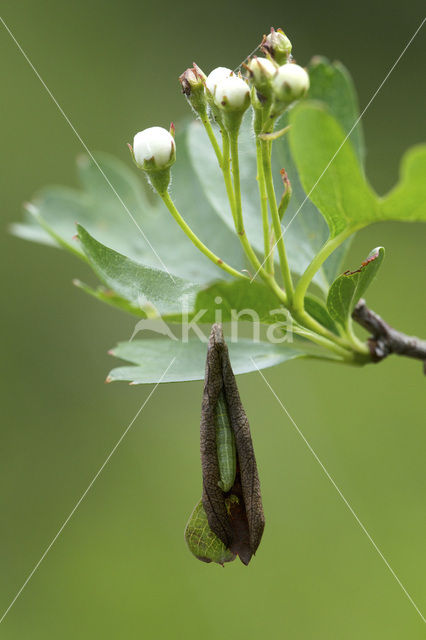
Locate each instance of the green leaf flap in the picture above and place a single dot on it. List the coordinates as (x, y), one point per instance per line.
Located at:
(407, 200)
(332, 84)
(348, 288)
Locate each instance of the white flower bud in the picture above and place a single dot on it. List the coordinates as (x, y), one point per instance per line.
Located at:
(261, 69)
(277, 45)
(290, 83)
(261, 72)
(232, 94)
(154, 149)
(215, 76)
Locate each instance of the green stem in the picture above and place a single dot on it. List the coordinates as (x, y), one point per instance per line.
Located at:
(347, 354)
(239, 223)
(276, 223)
(313, 325)
(356, 342)
(209, 130)
(222, 158)
(226, 171)
(269, 256)
(307, 277)
(302, 286)
(195, 239)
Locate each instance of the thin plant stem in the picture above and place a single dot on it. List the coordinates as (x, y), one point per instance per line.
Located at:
(213, 140)
(195, 239)
(222, 158)
(268, 254)
(350, 338)
(226, 171)
(273, 207)
(239, 223)
(345, 353)
(307, 277)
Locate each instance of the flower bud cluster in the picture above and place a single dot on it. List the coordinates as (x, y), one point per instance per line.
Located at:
(273, 83)
(277, 85)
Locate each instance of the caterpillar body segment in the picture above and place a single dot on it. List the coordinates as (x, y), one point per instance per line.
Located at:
(225, 443)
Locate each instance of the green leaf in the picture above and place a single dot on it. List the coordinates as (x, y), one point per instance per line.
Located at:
(407, 200)
(105, 207)
(109, 297)
(329, 170)
(151, 358)
(202, 542)
(146, 291)
(332, 176)
(252, 301)
(315, 307)
(332, 84)
(141, 286)
(348, 288)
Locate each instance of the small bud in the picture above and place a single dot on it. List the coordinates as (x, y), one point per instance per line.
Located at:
(290, 83)
(261, 72)
(277, 45)
(232, 94)
(154, 149)
(193, 86)
(285, 198)
(192, 79)
(215, 76)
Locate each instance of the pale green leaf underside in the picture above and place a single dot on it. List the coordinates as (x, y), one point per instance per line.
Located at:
(348, 288)
(143, 287)
(147, 291)
(150, 359)
(107, 215)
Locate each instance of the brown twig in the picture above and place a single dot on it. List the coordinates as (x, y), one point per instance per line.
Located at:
(385, 340)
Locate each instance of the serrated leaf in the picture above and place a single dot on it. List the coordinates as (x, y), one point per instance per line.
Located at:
(139, 285)
(140, 290)
(114, 194)
(329, 170)
(348, 288)
(110, 298)
(150, 359)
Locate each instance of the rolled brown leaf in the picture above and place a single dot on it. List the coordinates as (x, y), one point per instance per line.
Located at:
(235, 516)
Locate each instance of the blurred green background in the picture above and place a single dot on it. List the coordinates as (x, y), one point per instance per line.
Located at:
(121, 568)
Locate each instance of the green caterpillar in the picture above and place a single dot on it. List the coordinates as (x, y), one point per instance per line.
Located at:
(225, 445)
